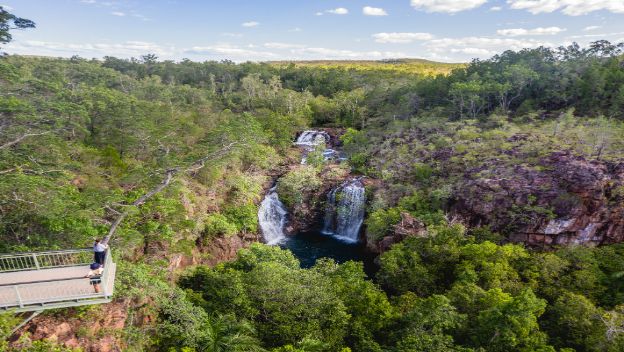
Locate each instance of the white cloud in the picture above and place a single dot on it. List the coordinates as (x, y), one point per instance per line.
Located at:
(217, 51)
(125, 49)
(568, 7)
(296, 29)
(374, 11)
(613, 37)
(481, 47)
(250, 24)
(87, 1)
(449, 6)
(496, 8)
(118, 13)
(232, 35)
(401, 38)
(591, 28)
(319, 14)
(326, 53)
(139, 16)
(275, 45)
(338, 11)
(480, 52)
(517, 32)
(231, 52)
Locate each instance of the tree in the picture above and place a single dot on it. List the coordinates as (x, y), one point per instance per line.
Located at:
(469, 96)
(294, 304)
(511, 325)
(516, 79)
(265, 285)
(295, 187)
(186, 326)
(367, 305)
(573, 321)
(403, 270)
(8, 22)
(425, 324)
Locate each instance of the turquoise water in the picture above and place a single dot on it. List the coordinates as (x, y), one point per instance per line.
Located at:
(309, 246)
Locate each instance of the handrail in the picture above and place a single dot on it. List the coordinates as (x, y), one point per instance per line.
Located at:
(45, 260)
(12, 254)
(108, 261)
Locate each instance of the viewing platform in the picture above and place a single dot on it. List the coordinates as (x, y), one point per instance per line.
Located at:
(31, 282)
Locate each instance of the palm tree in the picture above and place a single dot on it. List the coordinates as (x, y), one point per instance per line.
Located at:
(222, 333)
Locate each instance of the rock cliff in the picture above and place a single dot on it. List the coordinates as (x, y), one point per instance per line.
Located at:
(562, 199)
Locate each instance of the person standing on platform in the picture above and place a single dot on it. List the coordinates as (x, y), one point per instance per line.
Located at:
(99, 251)
(95, 276)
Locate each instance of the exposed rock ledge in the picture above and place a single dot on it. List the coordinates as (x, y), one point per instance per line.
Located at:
(566, 199)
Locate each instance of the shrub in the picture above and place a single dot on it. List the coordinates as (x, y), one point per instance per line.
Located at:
(380, 222)
(244, 217)
(295, 185)
(218, 225)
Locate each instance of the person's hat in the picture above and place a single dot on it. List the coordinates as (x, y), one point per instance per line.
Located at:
(95, 266)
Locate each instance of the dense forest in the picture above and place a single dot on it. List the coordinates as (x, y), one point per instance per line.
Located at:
(172, 159)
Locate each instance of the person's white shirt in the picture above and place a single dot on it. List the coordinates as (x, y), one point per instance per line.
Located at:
(99, 247)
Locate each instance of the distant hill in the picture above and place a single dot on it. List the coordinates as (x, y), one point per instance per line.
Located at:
(411, 66)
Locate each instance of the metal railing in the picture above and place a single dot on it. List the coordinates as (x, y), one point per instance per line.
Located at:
(72, 290)
(45, 260)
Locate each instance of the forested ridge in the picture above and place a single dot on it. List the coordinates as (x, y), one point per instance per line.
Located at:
(462, 266)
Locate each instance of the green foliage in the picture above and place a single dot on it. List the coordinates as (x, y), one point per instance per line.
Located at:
(244, 217)
(185, 326)
(270, 295)
(573, 321)
(8, 322)
(9, 21)
(403, 270)
(295, 187)
(511, 324)
(422, 208)
(379, 223)
(425, 324)
(25, 344)
(218, 225)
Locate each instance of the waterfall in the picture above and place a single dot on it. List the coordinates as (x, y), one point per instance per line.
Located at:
(312, 138)
(272, 218)
(344, 214)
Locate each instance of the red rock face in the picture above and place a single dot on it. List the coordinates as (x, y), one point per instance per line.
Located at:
(95, 333)
(566, 199)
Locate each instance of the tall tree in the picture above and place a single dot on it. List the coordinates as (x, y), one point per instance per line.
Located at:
(8, 22)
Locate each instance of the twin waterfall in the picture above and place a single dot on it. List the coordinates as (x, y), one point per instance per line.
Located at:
(344, 212)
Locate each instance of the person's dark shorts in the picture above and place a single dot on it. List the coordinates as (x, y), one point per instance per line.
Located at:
(99, 257)
(96, 280)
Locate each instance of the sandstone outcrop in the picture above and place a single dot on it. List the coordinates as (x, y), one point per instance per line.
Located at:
(562, 199)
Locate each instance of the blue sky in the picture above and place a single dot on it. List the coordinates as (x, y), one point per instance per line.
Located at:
(259, 30)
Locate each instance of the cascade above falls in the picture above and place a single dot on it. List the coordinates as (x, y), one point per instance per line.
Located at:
(272, 216)
(311, 138)
(345, 209)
